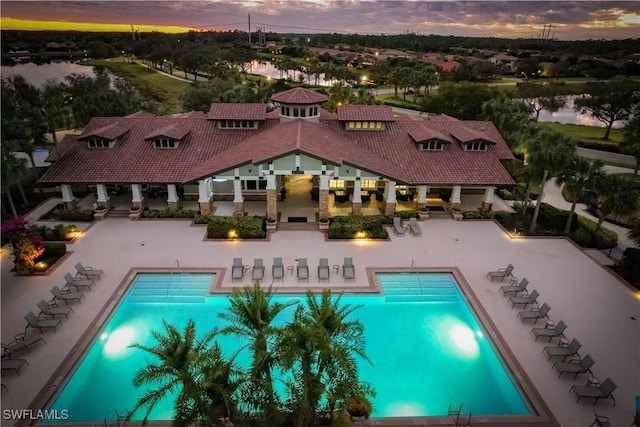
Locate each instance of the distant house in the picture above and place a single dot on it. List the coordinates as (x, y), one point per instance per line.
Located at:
(504, 60)
(61, 47)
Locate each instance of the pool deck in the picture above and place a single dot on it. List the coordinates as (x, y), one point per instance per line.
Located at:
(599, 309)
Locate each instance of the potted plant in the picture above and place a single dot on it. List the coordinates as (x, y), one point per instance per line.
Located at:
(359, 407)
(423, 213)
(323, 224)
(135, 212)
(456, 213)
(271, 223)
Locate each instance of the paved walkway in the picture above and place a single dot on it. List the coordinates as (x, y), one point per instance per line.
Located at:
(599, 310)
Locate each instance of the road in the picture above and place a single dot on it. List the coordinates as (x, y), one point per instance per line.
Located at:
(606, 156)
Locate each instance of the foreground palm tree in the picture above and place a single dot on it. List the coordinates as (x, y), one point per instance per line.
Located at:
(251, 316)
(576, 177)
(320, 347)
(192, 368)
(617, 196)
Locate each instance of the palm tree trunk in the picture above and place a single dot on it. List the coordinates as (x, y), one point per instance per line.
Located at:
(22, 194)
(12, 205)
(567, 227)
(536, 211)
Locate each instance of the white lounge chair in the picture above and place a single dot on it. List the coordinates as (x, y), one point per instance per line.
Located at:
(77, 282)
(277, 270)
(67, 296)
(20, 343)
(348, 270)
(556, 332)
(257, 272)
(570, 350)
(12, 365)
(515, 289)
(237, 269)
(501, 273)
(40, 324)
(397, 226)
(88, 272)
(604, 391)
(535, 314)
(582, 366)
(53, 311)
(302, 270)
(525, 300)
(414, 227)
(323, 269)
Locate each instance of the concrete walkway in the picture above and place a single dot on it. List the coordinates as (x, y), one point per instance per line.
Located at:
(598, 308)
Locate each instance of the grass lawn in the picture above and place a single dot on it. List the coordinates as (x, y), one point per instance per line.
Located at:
(585, 132)
(166, 90)
(388, 99)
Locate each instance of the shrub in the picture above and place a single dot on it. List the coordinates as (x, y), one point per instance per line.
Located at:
(72, 214)
(602, 146)
(480, 214)
(630, 265)
(59, 232)
(224, 227)
(586, 236)
(169, 213)
(555, 219)
(406, 214)
(505, 194)
(347, 227)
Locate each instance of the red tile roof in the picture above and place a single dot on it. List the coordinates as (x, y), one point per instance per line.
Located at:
(423, 133)
(466, 135)
(374, 113)
(299, 96)
(172, 131)
(141, 114)
(443, 117)
(237, 112)
(109, 132)
(207, 150)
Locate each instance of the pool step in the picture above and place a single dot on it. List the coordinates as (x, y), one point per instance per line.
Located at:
(413, 288)
(421, 298)
(177, 288)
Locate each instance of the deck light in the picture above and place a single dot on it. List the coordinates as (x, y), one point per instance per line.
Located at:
(233, 234)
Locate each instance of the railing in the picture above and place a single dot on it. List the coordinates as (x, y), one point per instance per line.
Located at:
(173, 268)
(614, 254)
(120, 419)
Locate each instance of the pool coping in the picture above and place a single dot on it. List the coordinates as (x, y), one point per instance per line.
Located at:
(543, 418)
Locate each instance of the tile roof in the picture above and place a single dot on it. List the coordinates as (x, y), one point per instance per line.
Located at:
(299, 96)
(424, 133)
(141, 113)
(110, 132)
(443, 117)
(172, 131)
(376, 113)
(207, 150)
(241, 111)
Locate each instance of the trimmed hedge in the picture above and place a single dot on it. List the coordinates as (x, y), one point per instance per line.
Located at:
(229, 227)
(59, 232)
(479, 214)
(169, 213)
(70, 215)
(406, 214)
(347, 227)
(586, 236)
(52, 253)
(554, 218)
(611, 147)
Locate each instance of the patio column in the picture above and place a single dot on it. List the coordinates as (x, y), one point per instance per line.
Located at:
(323, 198)
(487, 200)
(356, 203)
(137, 200)
(173, 202)
(422, 196)
(272, 198)
(238, 201)
(389, 202)
(103, 197)
(455, 196)
(204, 197)
(68, 198)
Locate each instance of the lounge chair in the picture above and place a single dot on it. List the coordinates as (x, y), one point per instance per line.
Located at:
(348, 270)
(53, 311)
(323, 269)
(277, 270)
(88, 272)
(569, 351)
(12, 364)
(257, 273)
(20, 343)
(515, 289)
(600, 421)
(581, 367)
(302, 270)
(237, 269)
(525, 300)
(78, 283)
(34, 322)
(67, 296)
(535, 314)
(397, 226)
(414, 227)
(604, 391)
(501, 273)
(549, 333)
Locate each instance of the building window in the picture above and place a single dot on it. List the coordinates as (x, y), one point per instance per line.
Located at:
(238, 124)
(368, 184)
(432, 145)
(296, 112)
(476, 146)
(99, 143)
(351, 125)
(364, 125)
(336, 184)
(315, 111)
(164, 143)
(358, 125)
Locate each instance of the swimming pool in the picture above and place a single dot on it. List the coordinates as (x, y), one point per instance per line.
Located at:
(427, 348)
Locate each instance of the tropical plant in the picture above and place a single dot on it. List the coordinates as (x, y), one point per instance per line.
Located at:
(549, 152)
(251, 316)
(25, 241)
(634, 230)
(577, 176)
(616, 196)
(631, 141)
(192, 368)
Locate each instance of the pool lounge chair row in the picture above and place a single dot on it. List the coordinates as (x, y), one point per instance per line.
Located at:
(414, 227)
(238, 269)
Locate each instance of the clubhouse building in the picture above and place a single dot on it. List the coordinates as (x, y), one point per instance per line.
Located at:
(251, 152)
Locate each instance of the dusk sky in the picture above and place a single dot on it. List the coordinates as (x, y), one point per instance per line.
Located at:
(570, 20)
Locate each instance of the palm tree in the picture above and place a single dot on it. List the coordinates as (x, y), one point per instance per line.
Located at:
(631, 141)
(576, 177)
(634, 230)
(549, 152)
(320, 346)
(55, 112)
(194, 369)
(251, 316)
(617, 196)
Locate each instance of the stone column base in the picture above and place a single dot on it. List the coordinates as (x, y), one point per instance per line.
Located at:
(453, 205)
(205, 208)
(389, 208)
(174, 205)
(137, 204)
(238, 209)
(486, 206)
(104, 205)
(356, 208)
(70, 205)
(421, 206)
(323, 204)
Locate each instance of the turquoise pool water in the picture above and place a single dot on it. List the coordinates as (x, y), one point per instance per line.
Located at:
(427, 348)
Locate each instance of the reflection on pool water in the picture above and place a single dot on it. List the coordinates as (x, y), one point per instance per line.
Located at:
(427, 349)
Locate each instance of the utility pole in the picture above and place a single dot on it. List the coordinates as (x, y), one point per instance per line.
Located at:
(249, 29)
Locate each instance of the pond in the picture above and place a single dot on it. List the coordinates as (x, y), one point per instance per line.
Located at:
(37, 75)
(267, 69)
(568, 115)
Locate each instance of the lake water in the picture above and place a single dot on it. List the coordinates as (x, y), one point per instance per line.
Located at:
(37, 75)
(568, 115)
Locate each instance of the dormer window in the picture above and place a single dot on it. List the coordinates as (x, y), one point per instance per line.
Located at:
(476, 146)
(365, 125)
(165, 143)
(433, 145)
(99, 143)
(238, 124)
(302, 111)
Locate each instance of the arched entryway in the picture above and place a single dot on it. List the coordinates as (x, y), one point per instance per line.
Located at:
(297, 201)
